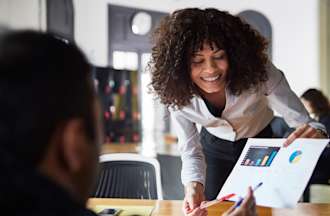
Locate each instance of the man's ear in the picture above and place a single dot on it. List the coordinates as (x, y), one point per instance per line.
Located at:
(73, 144)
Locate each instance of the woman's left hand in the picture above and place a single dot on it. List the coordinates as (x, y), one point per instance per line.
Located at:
(304, 131)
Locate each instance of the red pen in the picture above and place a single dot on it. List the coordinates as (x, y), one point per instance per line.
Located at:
(215, 201)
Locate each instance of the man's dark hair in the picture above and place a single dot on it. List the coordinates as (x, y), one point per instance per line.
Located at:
(44, 81)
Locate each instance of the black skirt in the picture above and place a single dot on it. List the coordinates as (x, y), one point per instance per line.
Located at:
(221, 156)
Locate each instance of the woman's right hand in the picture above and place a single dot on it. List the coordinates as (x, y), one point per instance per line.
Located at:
(194, 196)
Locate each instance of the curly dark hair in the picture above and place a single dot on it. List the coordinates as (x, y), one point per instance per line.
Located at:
(183, 32)
(318, 101)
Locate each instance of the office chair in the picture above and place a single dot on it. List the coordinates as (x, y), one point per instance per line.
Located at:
(125, 175)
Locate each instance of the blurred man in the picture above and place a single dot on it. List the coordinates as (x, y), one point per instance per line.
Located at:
(49, 126)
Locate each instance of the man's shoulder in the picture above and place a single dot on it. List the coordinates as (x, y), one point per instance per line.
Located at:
(26, 192)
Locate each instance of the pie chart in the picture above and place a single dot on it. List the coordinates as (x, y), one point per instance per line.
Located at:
(295, 156)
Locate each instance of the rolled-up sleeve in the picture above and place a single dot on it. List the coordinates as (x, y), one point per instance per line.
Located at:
(282, 99)
(192, 156)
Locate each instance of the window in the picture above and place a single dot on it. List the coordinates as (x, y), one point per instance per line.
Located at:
(125, 60)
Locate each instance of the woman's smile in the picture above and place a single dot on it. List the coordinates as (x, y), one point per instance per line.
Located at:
(211, 78)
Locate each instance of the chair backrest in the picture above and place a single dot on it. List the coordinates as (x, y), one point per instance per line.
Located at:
(125, 175)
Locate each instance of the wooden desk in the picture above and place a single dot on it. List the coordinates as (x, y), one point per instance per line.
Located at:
(173, 208)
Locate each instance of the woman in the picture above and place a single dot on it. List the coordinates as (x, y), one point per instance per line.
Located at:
(210, 69)
(317, 105)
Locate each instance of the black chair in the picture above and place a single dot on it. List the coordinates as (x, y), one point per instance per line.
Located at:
(124, 175)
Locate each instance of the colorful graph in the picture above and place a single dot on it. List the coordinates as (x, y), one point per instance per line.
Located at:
(260, 156)
(295, 156)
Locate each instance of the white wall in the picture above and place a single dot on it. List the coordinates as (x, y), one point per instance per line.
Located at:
(325, 45)
(91, 29)
(295, 30)
(4, 9)
(18, 14)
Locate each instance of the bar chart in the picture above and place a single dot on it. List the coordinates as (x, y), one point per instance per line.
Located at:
(260, 156)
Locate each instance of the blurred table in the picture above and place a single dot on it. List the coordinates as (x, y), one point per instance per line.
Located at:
(173, 208)
(120, 148)
(167, 149)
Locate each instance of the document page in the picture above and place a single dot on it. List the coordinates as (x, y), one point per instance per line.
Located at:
(283, 171)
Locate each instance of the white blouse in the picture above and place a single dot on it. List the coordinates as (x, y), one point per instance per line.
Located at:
(244, 116)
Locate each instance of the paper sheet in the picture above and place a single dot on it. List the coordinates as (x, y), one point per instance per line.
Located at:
(284, 172)
(127, 210)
